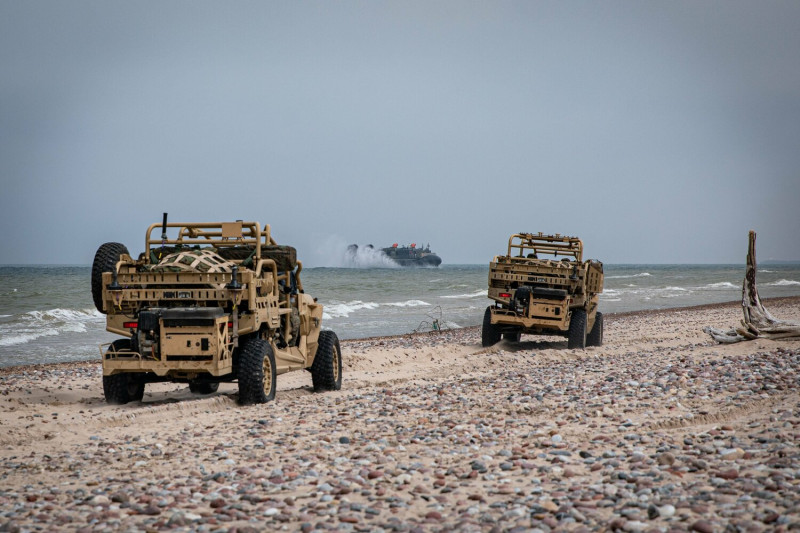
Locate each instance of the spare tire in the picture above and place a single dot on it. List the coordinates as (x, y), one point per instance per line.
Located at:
(105, 260)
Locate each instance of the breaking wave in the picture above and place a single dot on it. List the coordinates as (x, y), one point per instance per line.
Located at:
(721, 285)
(410, 303)
(644, 294)
(27, 327)
(338, 310)
(476, 294)
(784, 283)
(345, 309)
(641, 275)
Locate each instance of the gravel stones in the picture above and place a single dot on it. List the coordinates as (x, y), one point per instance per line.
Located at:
(659, 430)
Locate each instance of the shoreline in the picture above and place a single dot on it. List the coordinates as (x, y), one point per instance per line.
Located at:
(781, 300)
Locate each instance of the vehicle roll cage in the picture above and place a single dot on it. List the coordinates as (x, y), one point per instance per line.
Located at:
(219, 234)
(521, 244)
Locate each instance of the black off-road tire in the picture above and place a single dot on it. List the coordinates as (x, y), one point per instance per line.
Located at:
(105, 260)
(577, 330)
(326, 370)
(257, 375)
(490, 333)
(120, 389)
(203, 388)
(595, 337)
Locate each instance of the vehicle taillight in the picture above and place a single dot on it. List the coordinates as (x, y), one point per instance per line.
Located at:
(130, 325)
(505, 295)
(230, 325)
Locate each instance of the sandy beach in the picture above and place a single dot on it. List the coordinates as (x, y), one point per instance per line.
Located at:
(660, 429)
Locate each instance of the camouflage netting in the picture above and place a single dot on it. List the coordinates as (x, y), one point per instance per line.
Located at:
(193, 261)
(220, 259)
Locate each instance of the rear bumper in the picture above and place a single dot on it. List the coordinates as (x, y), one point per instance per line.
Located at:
(541, 315)
(119, 362)
(180, 341)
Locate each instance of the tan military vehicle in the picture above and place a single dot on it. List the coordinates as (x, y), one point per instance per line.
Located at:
(218, 302)
(543, 286)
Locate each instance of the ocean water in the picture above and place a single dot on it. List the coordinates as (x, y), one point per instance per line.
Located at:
(47, 314)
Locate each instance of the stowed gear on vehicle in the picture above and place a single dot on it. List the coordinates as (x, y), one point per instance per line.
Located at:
(217, 302)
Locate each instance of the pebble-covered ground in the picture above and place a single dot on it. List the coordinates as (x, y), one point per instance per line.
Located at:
(661, 429)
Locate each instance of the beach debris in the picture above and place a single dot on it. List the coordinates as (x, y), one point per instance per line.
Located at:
(436, 322)
(757, 321)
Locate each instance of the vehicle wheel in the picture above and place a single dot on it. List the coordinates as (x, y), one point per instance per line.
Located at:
(512, 337)
(120, 389)
(257, 377)
(490, 333)
(203, 388)
(577, 330)
(595, 337)
(326, 370)
(105, 260)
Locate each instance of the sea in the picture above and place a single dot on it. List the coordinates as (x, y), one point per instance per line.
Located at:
(47, 314)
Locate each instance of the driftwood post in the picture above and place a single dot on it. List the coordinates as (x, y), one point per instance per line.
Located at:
(757, 322)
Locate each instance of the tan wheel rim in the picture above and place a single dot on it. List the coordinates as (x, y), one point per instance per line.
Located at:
(267, 369)
(335, 363)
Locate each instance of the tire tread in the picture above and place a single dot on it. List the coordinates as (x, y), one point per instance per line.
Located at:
(251, 372)
(577, 329)
(490, 333)
(595, 337)
(323, 373)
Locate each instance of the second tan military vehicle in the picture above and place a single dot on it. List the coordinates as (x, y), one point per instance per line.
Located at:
(216, 302)
(543, 286)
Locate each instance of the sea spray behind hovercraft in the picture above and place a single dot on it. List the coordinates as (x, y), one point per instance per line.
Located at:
(366, 257)
(406, 256)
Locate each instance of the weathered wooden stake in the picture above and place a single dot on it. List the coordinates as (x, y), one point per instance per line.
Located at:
(757, 322)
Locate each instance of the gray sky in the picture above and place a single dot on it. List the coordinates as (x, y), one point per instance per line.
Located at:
(658, 132)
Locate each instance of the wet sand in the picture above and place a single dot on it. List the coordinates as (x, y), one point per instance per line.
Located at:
(660, 429)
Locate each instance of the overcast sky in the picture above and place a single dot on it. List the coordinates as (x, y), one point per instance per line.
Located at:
(658, 132)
